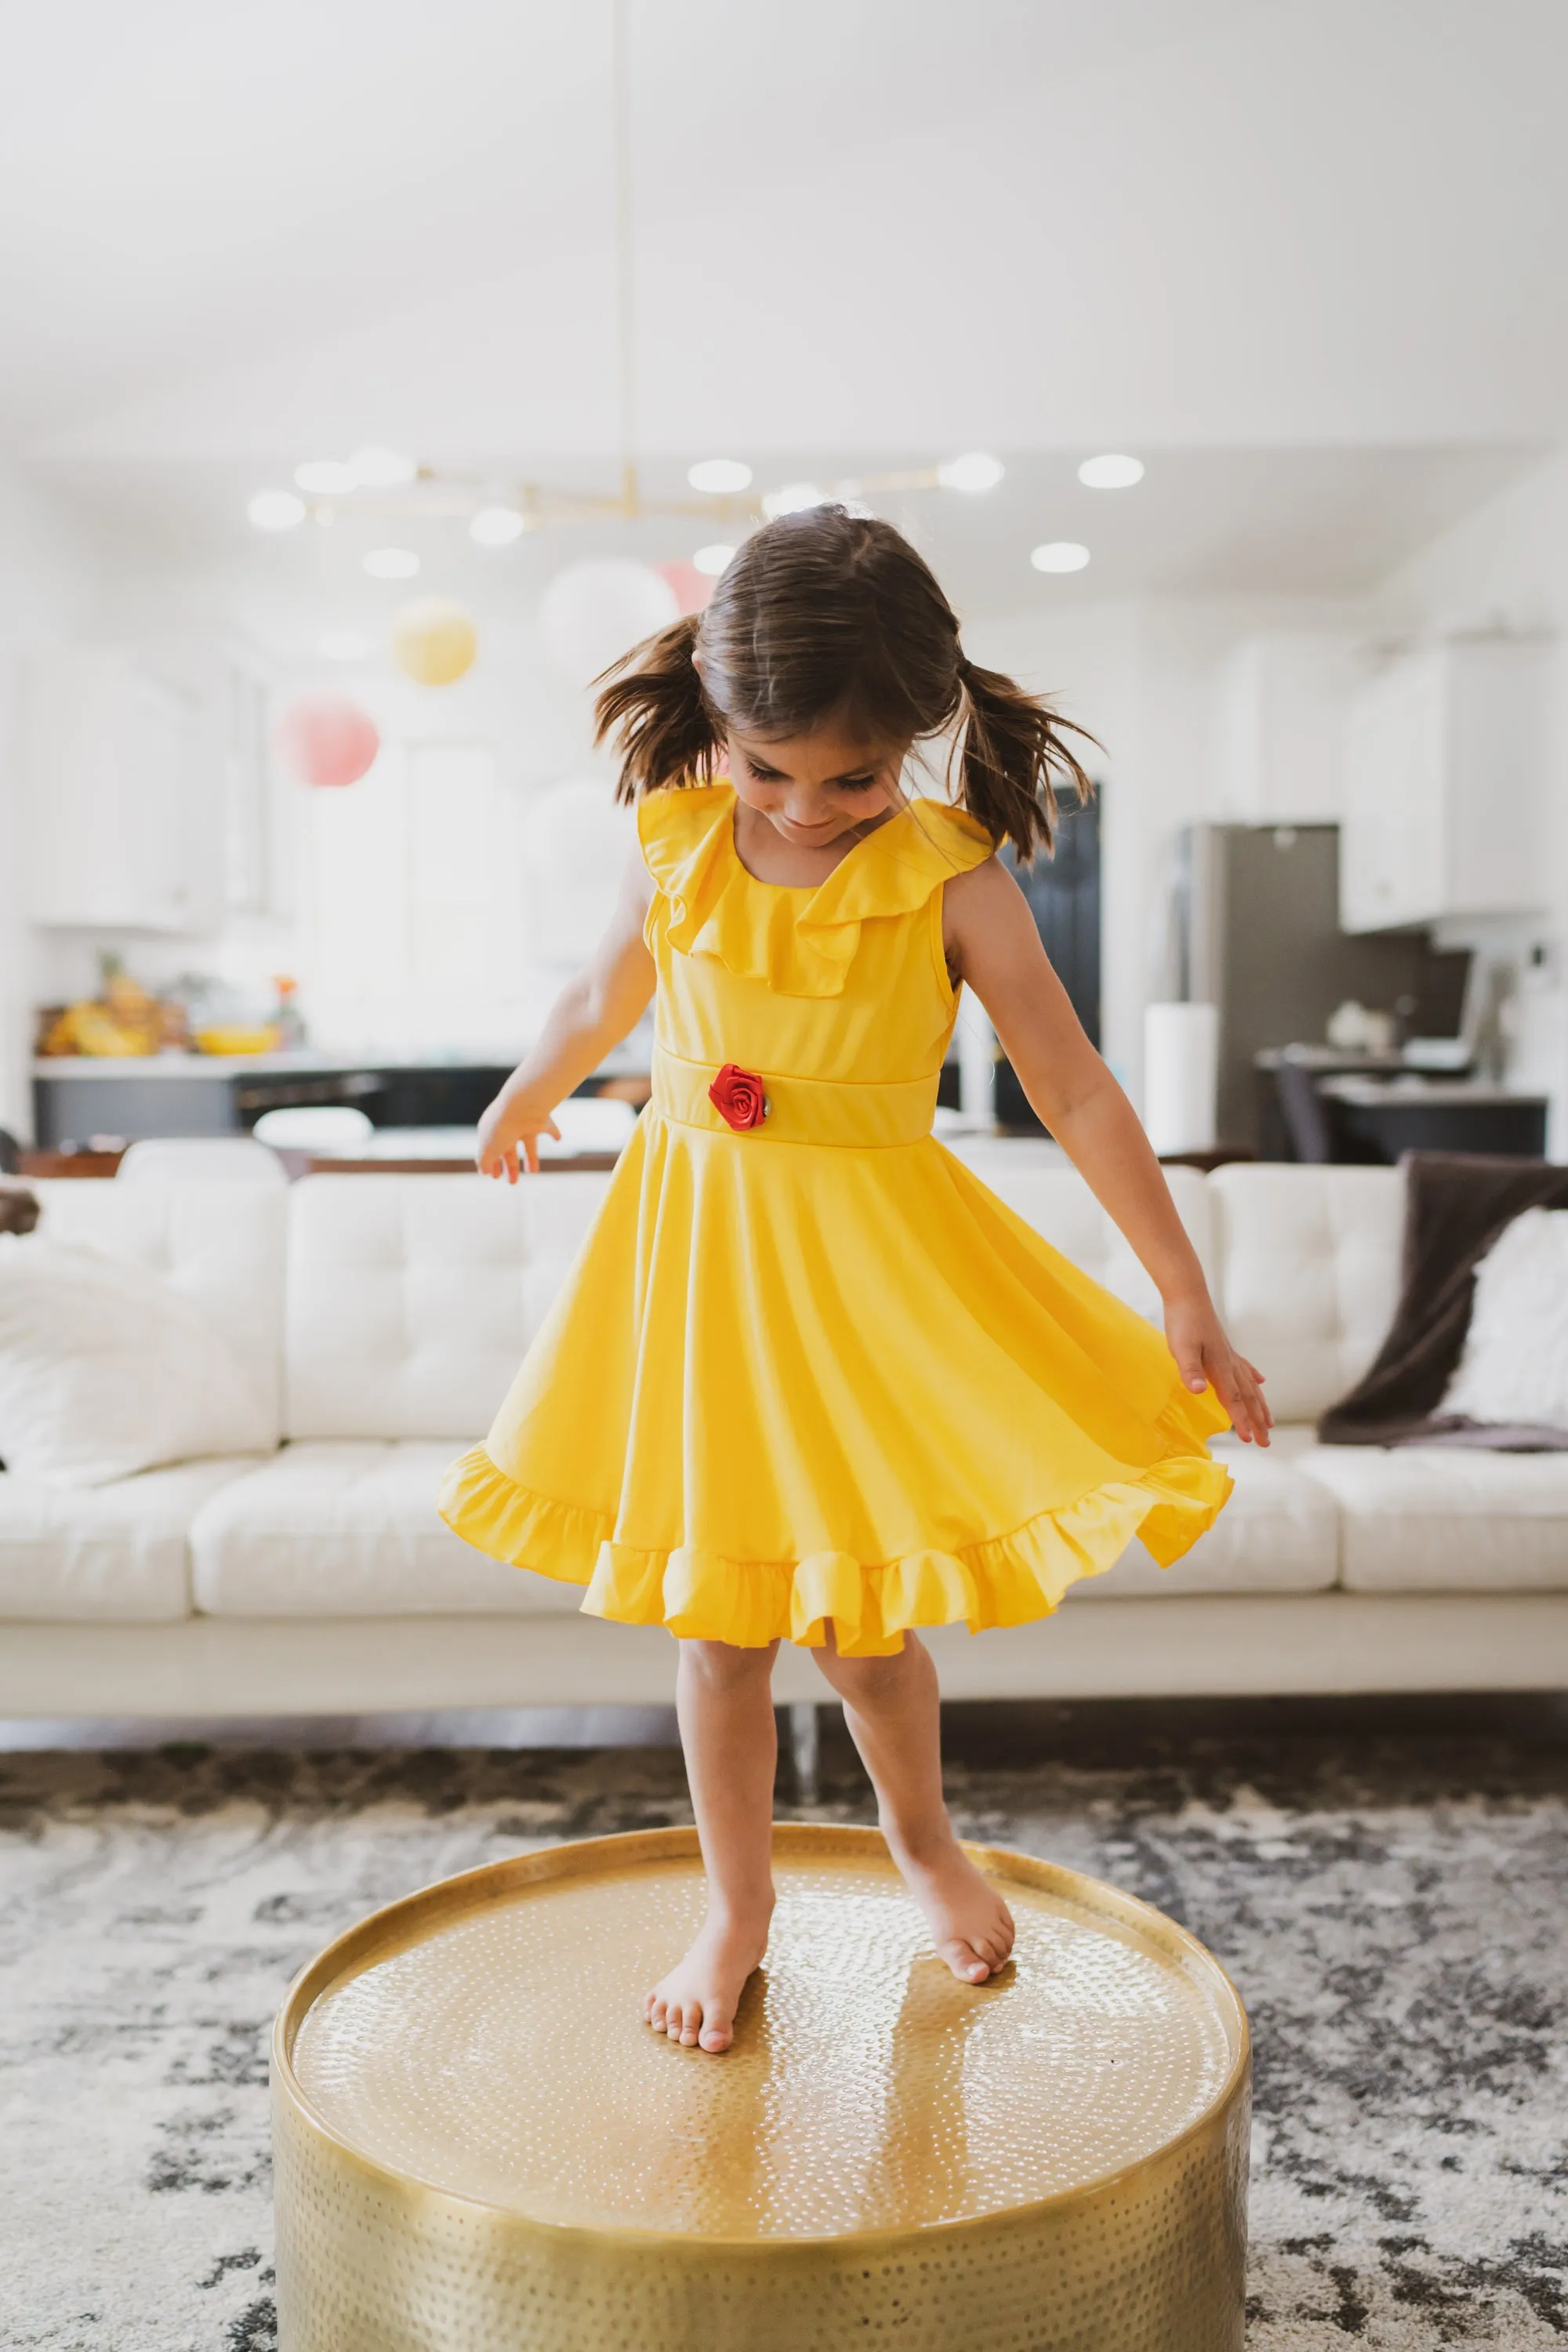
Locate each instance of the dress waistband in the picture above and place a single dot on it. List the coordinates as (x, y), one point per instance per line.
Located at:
(799, 1110)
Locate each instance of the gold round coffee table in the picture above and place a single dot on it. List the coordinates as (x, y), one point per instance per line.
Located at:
(480, 2148)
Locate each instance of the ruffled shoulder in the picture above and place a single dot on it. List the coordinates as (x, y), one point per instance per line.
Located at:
(895, 869)
(686, 832)
(801, 943)
(688, 840)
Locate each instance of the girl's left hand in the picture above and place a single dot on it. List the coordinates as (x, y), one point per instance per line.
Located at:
(1205, 1359)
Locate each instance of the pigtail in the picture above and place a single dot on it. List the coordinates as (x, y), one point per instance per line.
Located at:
(654, 705)
(1014, 754)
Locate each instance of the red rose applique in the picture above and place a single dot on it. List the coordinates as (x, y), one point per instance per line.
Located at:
(737, 1095)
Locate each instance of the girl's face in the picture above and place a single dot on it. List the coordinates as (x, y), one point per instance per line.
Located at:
(815, 787)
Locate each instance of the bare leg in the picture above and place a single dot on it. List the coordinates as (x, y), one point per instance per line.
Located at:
(892, 1707)
(724, 1698)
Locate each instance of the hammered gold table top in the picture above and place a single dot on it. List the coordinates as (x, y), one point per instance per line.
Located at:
(486, 2038)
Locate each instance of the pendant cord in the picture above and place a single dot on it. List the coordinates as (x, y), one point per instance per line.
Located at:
(626, 302)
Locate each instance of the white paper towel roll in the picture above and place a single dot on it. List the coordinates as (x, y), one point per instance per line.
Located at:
(976, 1043)
(1181, 1076)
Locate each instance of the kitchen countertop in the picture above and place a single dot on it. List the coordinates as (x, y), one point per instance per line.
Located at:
(303, 1065)
(1411, 1089)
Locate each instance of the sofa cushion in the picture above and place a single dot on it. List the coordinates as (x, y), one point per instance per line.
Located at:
(218, 1245)
(1279, 1533)
(348, 1529)
(1309, 1274)
(111, 1554)
(411, 1299)
(1427, 1519)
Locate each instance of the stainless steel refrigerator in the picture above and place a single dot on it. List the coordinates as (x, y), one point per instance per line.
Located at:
(1254, 929)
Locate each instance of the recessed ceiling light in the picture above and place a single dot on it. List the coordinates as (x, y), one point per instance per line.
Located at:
(345, 645)
(718, 475)
(392, 564)
(975, 471)
(1111, 473)
(326, 477)
(794, 498)
(276, 510)
(1060, 555)
(497, 526)
(714, 559)
(382, 469)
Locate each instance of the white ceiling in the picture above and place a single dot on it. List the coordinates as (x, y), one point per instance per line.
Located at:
(1316, 239)
(898, 224)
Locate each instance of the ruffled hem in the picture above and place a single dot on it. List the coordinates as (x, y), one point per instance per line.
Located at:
(801, 943)
(1009, 1580)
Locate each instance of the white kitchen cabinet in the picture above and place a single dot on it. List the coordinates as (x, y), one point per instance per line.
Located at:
(124, 821)
(1445, 785)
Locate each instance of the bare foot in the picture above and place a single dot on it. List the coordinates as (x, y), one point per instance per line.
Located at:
(970, 1924)
(695, 2004)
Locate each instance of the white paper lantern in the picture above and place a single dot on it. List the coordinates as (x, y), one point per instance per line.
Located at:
(593, 613)
(577, 840)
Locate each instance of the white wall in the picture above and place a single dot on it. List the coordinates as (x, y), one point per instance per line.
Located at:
(1506, 566)
(50, 580)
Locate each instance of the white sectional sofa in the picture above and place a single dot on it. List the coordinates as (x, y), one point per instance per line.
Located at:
(382, 1317)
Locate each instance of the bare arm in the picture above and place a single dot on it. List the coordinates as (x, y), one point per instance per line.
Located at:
(993, 945)
(593, 1012)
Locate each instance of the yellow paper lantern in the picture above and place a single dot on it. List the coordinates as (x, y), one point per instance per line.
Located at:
(434, 641)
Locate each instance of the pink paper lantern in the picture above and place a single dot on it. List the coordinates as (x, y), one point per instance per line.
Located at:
(328, 740)
(692, 588)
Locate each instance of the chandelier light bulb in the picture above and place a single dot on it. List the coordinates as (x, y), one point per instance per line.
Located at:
(794, 498)
(973, 472)
(720, 475)
(497, 526)
(275, 510)
(392, 564)
(326, 477)
(1111, 472)
(382, 469)
(1060, 555)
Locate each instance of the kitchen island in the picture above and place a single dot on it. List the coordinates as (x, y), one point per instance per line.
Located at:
(77, 1099)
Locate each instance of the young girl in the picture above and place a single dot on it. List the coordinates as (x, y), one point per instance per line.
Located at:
(809, 1380)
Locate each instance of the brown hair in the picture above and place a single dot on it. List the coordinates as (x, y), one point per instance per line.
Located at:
(825, 616)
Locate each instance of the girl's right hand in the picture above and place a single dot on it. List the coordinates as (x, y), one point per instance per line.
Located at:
(508, 1129)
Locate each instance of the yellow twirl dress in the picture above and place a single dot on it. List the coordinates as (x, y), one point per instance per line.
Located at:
(813, 1371)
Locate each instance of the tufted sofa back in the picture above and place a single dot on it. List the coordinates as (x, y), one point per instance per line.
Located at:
(1060, 1205)
(388, 1306)
(220, 1244)
(410, 1299)
(1309, 1273)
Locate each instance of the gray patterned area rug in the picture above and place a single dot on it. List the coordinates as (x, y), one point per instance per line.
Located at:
(1389, 1888)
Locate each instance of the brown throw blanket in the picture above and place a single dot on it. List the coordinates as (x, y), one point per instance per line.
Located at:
(1455, 1205)
(19, 1210)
